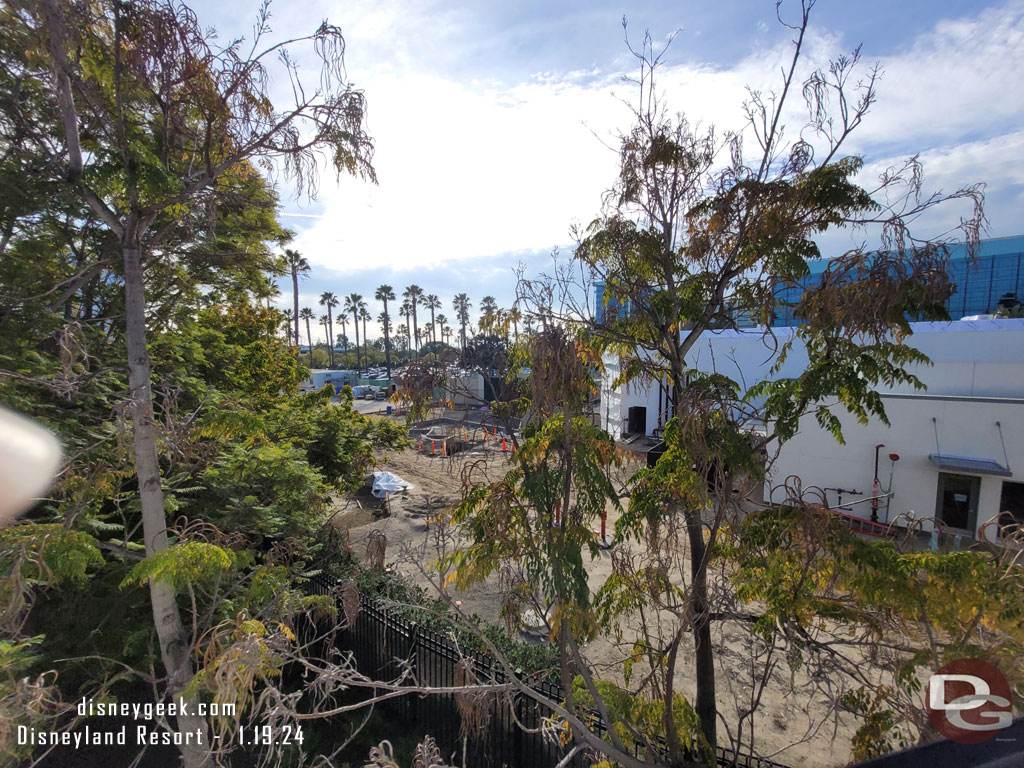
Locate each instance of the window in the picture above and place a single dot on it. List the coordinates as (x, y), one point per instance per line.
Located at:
(956, 504)
(1011, 503)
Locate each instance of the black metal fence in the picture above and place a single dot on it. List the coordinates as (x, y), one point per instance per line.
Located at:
(493, 729)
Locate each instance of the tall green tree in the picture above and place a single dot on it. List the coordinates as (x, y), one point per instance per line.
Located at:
(414, 295)
(488, 314)
(442, 324)
(364, 315)
(299, 267)
(384, 294)
(307, 315)
(330, 301)
(405, 310)
(289, 321)
(343, 320)
(431, 302)
(353, 303)
(513, 317)
(156, 124)
(325, 323)
(461, 304)
(698, 227)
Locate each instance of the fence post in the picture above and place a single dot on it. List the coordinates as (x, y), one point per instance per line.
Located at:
(413, 656)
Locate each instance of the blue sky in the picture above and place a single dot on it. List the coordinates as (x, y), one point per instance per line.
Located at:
(493, 120)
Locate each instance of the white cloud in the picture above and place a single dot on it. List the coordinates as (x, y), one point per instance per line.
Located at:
(473, 169)
(962, 78)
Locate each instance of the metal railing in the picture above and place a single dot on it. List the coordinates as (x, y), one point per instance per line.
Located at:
(385, 645)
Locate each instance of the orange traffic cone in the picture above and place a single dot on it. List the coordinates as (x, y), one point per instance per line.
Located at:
(443, 447)
(431, 447)
(503, 448)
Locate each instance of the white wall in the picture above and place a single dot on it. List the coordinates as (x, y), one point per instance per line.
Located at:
(466, 388)
(969, 358)
(965, 427)
(972, 361)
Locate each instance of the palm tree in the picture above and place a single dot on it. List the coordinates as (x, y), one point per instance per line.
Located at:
(352, 303)
(307, 315)
(442, 322)
(514, 316)
(289, 319)
(325, 321)
(364, 315)
(329, 300)
(343, 320)
(414, 294)
(386, 293)
(431, 302)
(406, 311)
(299, 266)
(268, 291)
(461, 305)
(488, 313)
(499, 322)
(385, 323)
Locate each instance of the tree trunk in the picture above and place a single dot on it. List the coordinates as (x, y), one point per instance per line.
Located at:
(415, 332)
(704, 662)
(704, 654)
(174, 642)
(295, 293)
(387, 340)
(329, 330)
(355, 325)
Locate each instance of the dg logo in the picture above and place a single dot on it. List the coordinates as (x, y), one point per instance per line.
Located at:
(969, 701)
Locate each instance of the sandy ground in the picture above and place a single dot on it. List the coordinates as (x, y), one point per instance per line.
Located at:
(412, 546)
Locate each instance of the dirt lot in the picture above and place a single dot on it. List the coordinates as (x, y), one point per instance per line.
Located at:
(412, 546)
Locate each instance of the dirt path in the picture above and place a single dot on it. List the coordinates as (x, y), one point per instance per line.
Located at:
(413, 544)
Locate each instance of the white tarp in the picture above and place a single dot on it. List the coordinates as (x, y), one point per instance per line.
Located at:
(388, 482)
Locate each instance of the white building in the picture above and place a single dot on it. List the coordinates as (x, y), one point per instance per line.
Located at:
(320, 376)
(960, 442)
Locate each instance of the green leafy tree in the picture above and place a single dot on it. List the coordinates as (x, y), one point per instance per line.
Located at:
(151, 127)
(697, 226)
(823, 597)
(681, 245)
(533, 526)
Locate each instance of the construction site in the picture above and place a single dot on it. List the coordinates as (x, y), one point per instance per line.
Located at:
(454, 449)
